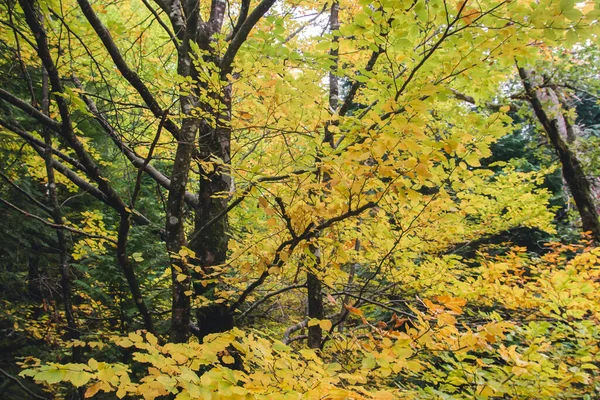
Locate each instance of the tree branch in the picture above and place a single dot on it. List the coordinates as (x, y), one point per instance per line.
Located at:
(30, 110)
(136, 161)
(292, 329)
(38, 144)
(25, 388)
(241, 36)
(161, 23)
(310, 231)
(55, 226)
(121, 64)
(268, 296)
(491, 106)
(26, 194)
(244, 8)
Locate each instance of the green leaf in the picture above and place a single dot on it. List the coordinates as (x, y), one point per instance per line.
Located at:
(573, 14)
(51, 375)
(79, 378)
(571, 37)
(566, 5)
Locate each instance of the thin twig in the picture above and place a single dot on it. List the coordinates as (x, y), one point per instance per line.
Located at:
(55, 226)
(25, 388)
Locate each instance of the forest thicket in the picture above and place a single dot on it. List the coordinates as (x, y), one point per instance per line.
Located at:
(319, 199)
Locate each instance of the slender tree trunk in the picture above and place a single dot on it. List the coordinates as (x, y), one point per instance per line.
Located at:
(315, 303)
(65, 272)
(175, 233)
(556, 128)
(211, 242)
(175, 236)
(129, 272)
(314, 287)
(112, 198)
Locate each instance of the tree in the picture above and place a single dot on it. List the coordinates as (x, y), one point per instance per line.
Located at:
(560, 132)
(270, 158)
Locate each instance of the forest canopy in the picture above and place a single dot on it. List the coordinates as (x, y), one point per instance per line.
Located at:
(336, 199)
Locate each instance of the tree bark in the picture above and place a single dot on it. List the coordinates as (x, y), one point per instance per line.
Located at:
(315, 305)
(314, 287)
(175, 233)
(65, 270)
(216, 186)
(556, 127)
(112, 198)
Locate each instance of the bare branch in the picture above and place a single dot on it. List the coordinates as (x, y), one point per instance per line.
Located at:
(121, 64)
(241, 35)
(55, 226)
(29, 110)
(25, 388)
(26, 194)
(161, 23)
(268, 296)
(292, 329)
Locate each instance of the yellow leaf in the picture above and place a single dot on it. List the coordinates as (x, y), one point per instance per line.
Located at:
(228, 359)
(403, 352)
(181, 277)
(183, 252)
(284, 255)
(124, 342)
(274, 270)
(473, 160)
(134, 337)
(92, 390)
(421, 170)
(151, 339)
(51, 376)
(353, 310)
(121, 393)
(245, 115)
(79, 378)
(453, 303)
(414, 366)
(93, 363)
(263, 202)
(446, 319)
(325, 324)
(410, 145)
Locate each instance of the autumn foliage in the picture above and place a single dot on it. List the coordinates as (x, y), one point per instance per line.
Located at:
(300, 199)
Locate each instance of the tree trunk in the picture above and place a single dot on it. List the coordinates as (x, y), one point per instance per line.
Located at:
(175, 235)
(315, 305)
(209, 241)
(211, 224)
(65, 272)
(556, 128)
(314, 287)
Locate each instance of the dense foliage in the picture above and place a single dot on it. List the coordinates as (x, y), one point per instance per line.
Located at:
(299, 199)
